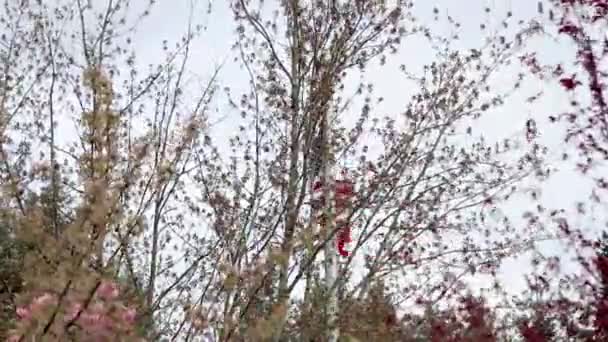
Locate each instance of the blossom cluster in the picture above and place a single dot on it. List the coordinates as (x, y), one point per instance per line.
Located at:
(102, 317)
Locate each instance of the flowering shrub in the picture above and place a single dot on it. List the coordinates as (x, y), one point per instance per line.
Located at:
(100, 317)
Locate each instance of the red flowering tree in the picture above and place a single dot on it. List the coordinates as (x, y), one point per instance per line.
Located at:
(578, 305)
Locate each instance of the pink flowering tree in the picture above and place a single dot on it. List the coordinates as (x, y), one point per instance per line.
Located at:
(70, 315)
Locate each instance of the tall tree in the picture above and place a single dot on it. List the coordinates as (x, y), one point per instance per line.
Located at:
(72, 64)
(578, 304)
(220, 237)
(409, 213)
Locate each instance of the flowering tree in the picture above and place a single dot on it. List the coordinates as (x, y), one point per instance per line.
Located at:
(410, 213)
(82, 173)
(573, 306)
(100, 317)
(219, 235)
(581, 25)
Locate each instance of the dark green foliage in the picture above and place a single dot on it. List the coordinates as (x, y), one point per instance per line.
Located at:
(11, 282)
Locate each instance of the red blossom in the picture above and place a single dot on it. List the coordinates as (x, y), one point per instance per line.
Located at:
(342, 240)
(532, 334)
(569, 83)
(344, 192)
(569, 29)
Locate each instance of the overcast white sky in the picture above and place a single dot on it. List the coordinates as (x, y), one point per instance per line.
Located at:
(169, 20)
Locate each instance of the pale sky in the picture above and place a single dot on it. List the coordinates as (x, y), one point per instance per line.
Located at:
(169, 21)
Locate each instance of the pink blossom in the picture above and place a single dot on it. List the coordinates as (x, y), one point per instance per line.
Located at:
(24, 312)
(128, 315)
(73, 312)
(98, 308)
(13, 338)
(91, 320)
(43, 301)
(108, 290)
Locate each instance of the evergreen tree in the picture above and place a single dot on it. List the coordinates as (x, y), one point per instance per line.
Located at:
(11, 282)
